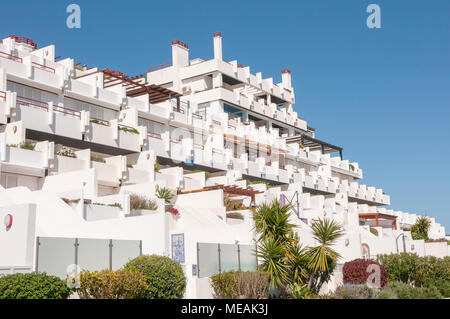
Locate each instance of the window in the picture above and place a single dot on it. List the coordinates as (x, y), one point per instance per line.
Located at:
(31, 93)
(95, 111)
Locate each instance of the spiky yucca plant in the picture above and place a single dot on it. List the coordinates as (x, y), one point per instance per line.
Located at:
(164, 193)
(326, 232)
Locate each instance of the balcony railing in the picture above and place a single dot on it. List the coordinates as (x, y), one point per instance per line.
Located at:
(24, 40)
(3, 96)
(199, 146)
(154, 135)
(160, 67)
(10, 57)
(66, 110)
(30, 102)
(44, 67)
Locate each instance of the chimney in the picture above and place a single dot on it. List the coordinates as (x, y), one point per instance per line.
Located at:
(218, 45)
(180, 54)
(286, 78)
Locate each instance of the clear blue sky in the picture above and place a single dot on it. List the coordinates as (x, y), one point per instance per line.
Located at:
(383, 95)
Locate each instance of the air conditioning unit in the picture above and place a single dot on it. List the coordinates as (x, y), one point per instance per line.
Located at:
(186, 90)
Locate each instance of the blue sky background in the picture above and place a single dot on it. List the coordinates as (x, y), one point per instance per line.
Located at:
(383, 95)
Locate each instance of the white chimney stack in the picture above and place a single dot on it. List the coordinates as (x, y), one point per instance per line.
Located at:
(218, 45)
(180, 54)
(286, 78)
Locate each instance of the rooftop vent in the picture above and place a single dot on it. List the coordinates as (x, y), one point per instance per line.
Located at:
(180, 43)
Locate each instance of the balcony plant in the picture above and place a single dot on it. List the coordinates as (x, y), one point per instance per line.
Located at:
(164, 193)
(138, 202)
(351, 167)
(128, 129)
(67, 152)
(98, 122)
(98, 159)
(235, 216)
(27, 146)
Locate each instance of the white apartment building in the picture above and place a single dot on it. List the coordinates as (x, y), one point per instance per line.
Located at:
(76, 143)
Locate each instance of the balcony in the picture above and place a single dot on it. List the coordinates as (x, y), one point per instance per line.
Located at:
(46, 117)
(159, 143)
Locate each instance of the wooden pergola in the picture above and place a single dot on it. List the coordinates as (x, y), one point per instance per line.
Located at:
(135, 86)
(231, 190)
(378, 216)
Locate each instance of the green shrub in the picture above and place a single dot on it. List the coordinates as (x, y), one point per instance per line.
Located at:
(297, 291)
(419, 271)
(240, 285)
(106, 284)
(165, 278)
(374, 231)
(407, 291)
(387, 293)
(353, 292)
(33, 286)
(27, 146)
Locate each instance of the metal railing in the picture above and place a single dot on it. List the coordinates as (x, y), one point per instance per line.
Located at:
(159, 67)
(24, 40)
(154, 135)
(31, 102)
(43, 67)
(10, 57)
(3, 96)
(66, 110)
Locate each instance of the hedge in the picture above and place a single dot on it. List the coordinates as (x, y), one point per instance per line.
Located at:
(418, 271)
(393, 290)
(357, 272)
(164, 277)
(33, 286)
(106, 284)
(240, 285)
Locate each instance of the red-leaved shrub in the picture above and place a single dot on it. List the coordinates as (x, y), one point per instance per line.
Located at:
(357, 272)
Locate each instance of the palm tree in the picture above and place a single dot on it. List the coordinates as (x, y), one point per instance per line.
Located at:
(297, 261)
(273, 220)
(326, 232)
(273, 254)
(275, 241)
(420, 229)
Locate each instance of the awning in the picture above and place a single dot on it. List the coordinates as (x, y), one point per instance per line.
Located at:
(314, 144)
